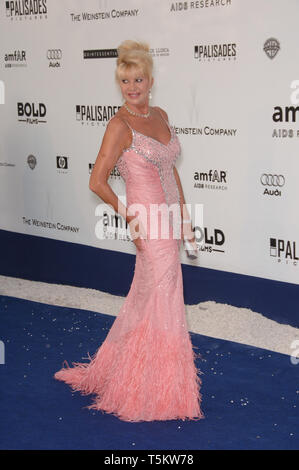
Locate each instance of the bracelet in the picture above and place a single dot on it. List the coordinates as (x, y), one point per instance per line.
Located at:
(186, 221)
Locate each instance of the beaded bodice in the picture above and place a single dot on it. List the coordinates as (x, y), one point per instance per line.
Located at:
(153, 155)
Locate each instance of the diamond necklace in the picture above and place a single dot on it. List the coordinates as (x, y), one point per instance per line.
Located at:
(137, 114)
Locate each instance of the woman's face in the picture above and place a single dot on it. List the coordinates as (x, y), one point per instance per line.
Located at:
(135, 87)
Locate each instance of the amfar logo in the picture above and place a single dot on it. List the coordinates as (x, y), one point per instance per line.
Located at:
(213, 179)
(286, 114)
(31, 112)
(19, 9)
(93, 114)
(15, 59)
(271, 47)
(283, 249)
(215, 51)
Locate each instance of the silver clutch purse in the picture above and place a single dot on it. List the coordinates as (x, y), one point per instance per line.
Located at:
(191, 251)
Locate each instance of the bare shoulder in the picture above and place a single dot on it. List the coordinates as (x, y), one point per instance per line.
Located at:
(117, 125)
(161, 111)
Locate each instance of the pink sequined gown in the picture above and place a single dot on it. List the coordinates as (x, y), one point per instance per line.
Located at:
(145, 369)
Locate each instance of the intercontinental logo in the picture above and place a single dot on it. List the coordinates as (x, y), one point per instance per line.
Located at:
(272, 184)
(95, 114)
(100, 53)
(198, 5)
(31, 113)
(15, 59)
(160, 52)
(213, 179)
(215, 52)
(54, 57)
(271, 48)
(283, 251)
(26, 9)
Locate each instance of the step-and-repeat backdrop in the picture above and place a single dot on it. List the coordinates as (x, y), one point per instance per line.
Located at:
(226, 72)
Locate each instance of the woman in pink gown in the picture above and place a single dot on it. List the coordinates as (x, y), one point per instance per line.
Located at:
(145, 369)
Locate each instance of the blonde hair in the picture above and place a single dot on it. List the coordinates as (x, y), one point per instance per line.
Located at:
(133, 54)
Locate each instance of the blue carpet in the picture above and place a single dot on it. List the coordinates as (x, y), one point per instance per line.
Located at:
(25, 256)
(250, 395)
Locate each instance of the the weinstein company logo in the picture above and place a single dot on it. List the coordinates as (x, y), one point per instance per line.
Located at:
(31, 113)
(100, 53)
(26, 9)
(283, 249)
(271, 47)
(208, 52)
(95, 115)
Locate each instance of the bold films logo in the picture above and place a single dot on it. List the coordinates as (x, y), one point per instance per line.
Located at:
(31, 113)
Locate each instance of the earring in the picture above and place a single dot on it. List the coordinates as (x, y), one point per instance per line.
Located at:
(150, 95)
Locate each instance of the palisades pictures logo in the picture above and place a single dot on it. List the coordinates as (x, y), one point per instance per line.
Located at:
(95, 114)
(215, 52)
(26, 9)
(284, 251)
(31, 113)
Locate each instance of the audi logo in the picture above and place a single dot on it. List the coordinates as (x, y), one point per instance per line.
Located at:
(54, 54)
(272, 180)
